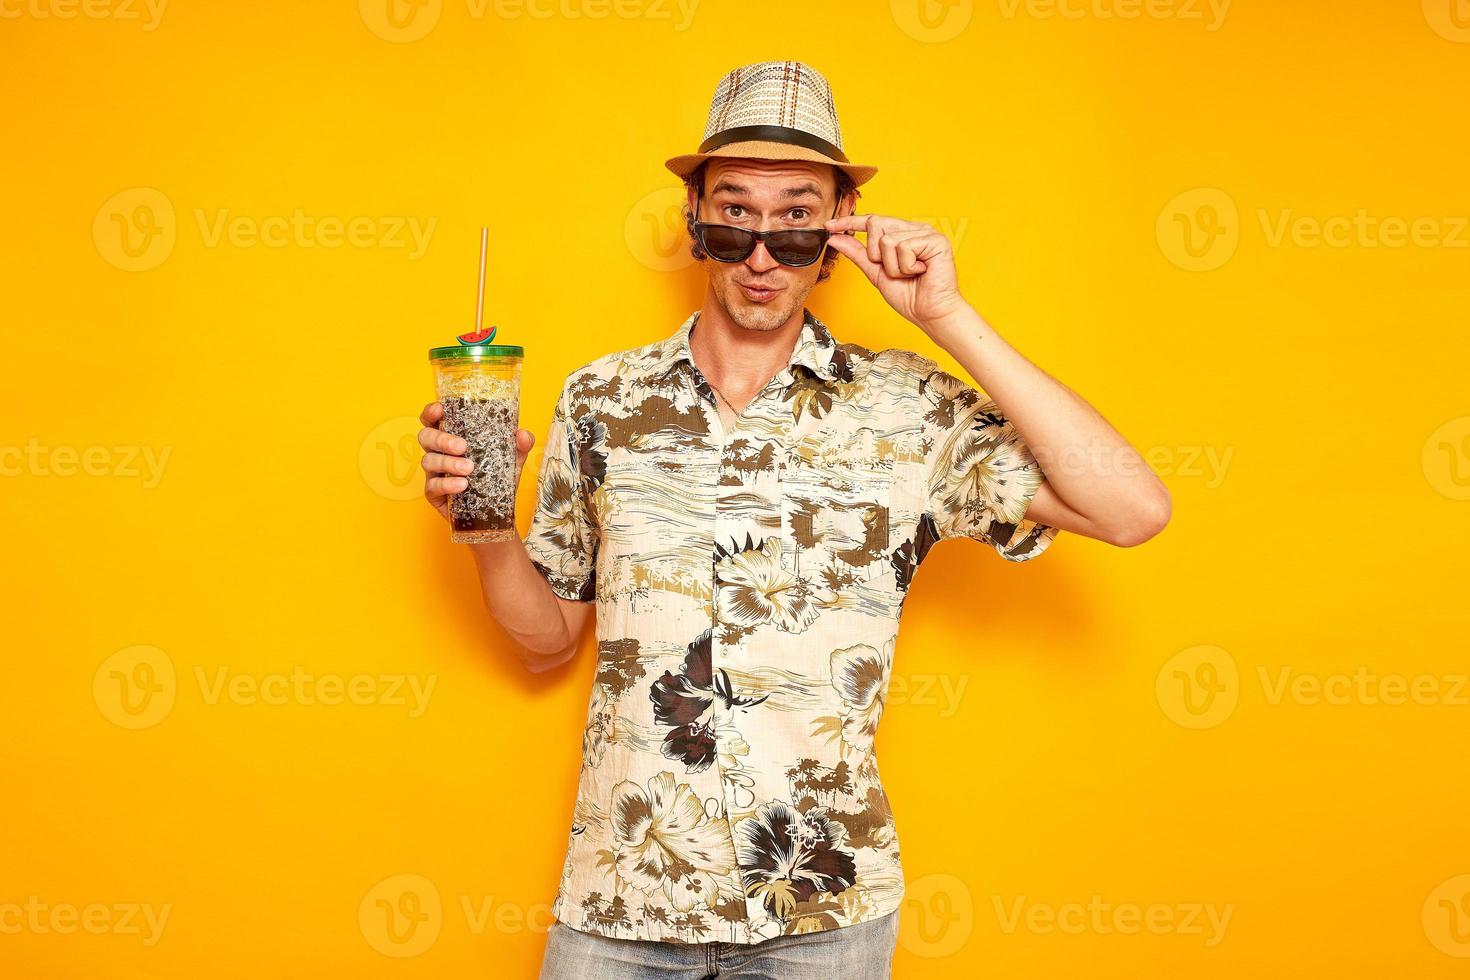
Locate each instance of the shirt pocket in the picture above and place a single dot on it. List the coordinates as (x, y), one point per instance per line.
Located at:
(656, 507)
(836, 521)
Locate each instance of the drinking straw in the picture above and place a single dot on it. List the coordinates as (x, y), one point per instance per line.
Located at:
(480, 294)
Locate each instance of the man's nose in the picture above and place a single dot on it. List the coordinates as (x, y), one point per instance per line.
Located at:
(760, 260)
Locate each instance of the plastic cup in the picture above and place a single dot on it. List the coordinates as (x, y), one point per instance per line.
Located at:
(480, 389)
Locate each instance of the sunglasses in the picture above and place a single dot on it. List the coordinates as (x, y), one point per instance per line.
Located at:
(788, 246)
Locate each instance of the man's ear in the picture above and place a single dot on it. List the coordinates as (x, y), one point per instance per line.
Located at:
(847, 205)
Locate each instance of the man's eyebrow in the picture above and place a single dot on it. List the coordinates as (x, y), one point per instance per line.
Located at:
(805, 190)
(788, 193)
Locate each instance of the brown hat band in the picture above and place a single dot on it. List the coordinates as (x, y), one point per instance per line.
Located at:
(773, 134)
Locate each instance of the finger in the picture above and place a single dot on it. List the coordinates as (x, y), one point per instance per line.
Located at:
(438, 487)
(909, 249)
(925, 242)
(909, 262)
(848, 223)
(525, 439)
(854, 250)
(868, 223)
(888, 249)
(438, 441)
(432, 413)
(875, 241)
(450, 465)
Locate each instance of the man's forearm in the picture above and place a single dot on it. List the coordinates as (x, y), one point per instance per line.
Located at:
(521, 600)
(1088, 464)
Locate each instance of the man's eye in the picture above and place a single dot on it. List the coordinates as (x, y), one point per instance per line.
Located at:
(798, 214)
(734, 210)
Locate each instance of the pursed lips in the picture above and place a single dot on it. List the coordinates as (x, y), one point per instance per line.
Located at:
(757, 290)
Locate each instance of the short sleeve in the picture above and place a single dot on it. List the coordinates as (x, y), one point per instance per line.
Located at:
(981, 474)
(562, 541)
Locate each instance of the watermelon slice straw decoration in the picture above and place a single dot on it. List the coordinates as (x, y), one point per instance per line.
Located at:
(477, 338)
(480, 335)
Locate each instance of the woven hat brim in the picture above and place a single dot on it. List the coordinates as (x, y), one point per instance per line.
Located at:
(683, 166)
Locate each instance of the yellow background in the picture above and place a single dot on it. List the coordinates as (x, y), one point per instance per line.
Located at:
(1305, 402)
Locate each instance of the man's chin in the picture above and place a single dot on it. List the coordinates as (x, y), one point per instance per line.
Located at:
(758, 316)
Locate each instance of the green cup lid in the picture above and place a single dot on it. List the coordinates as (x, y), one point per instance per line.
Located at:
(483, 350)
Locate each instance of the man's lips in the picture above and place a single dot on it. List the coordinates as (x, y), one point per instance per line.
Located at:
(758, 293)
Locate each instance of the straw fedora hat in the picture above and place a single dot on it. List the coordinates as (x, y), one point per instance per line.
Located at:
(773, 110)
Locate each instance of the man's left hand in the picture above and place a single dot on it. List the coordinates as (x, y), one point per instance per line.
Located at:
(911, 263)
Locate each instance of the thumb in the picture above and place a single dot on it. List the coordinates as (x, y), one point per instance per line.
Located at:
(525, 439)
(858, 252)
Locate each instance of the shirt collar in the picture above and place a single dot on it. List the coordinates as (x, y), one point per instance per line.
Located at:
(815, 349)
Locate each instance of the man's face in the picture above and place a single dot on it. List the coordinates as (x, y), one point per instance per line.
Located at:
(763, 195)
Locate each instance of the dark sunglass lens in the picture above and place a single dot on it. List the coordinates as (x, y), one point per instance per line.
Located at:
(727, 244)
(796, 247)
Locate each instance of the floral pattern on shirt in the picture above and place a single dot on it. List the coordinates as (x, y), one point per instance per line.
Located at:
(749, 585)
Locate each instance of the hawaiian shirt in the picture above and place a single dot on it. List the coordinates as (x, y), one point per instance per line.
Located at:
(748, 586)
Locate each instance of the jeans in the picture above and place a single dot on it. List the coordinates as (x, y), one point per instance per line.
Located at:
(860, 952)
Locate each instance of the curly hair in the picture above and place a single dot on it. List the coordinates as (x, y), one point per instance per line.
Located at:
(695, 182)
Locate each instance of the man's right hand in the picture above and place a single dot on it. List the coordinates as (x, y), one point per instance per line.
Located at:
(446, 470)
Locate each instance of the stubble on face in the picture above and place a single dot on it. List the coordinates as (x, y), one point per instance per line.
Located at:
(757, 316)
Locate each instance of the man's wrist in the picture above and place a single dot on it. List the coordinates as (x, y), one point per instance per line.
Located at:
(963, 322)
(493, 552)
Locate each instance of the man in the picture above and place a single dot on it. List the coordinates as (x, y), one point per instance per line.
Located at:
(746, 502)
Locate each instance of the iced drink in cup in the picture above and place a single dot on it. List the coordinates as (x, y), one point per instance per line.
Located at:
(480, 389)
